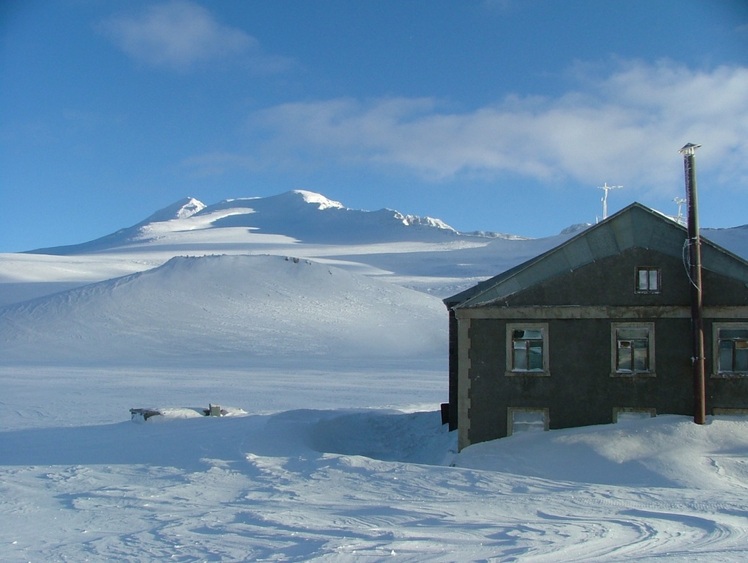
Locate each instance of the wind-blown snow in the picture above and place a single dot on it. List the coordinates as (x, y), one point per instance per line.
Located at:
(333, 372)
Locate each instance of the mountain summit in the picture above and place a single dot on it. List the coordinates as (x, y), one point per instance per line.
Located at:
(181, 209)
(299, 214)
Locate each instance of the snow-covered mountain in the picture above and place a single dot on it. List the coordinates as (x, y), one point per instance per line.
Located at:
(418, 252)
(304, 216)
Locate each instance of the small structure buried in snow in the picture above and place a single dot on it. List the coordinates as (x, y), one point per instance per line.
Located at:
(142, 415)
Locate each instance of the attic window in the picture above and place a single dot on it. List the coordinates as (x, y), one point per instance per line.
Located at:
(648, 280)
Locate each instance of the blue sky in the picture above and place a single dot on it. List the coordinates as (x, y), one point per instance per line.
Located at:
(502, 115)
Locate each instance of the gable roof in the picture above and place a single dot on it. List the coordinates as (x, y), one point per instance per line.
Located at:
(635, 226)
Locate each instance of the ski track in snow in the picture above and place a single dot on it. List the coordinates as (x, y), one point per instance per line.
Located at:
(301, 507)
(338, 484)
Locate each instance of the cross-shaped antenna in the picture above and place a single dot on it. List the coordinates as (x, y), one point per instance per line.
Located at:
(606, 188)
(679, 201)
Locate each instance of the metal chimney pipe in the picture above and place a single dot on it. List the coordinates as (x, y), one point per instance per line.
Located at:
(694, 274)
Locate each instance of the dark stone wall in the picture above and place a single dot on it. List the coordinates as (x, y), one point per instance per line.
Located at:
(580, 390)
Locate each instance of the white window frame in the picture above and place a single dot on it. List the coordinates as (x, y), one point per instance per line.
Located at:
(650, 371)
(510, 369)
(716, 330)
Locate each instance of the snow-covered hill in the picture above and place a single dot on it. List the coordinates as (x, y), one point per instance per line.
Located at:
(217, 309)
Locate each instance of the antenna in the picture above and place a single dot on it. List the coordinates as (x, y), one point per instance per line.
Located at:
(606, 188)
(679, 201)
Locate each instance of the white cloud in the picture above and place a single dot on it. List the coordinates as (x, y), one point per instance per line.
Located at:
(180, 34)
(623, 128)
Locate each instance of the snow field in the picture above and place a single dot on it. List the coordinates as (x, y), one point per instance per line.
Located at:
(348, 479)
(340, 455)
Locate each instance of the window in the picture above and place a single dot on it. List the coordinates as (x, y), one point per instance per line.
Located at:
(527, 346)
(624, 414)
(648, 280)
(521, 419)
(527, 349)
(632, 349)
(731, 350)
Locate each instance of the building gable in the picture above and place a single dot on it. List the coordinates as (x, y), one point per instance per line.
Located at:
(636, 226)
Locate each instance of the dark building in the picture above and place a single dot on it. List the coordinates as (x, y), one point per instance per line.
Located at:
(596, 329)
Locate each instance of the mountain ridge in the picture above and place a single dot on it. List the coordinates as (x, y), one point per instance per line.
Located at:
(303, 215)
(309, 217)
(415, 252)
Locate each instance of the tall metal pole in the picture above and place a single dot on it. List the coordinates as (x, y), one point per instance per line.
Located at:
(694, 254)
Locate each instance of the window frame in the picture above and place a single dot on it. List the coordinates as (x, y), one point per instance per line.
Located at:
(645, 412)
(510, 369)
(648, 289)
(716, 340)
(510, 411)
(614, 347)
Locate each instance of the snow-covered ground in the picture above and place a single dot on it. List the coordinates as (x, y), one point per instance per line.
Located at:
(332, 372)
